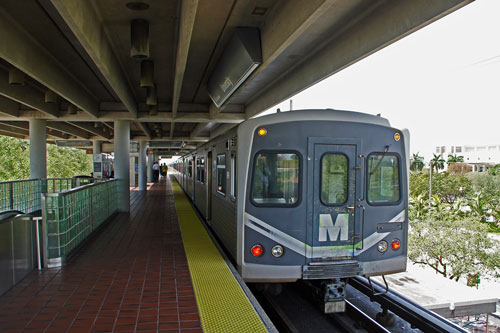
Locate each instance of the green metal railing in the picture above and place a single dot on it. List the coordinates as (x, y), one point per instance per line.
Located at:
(24, 195)
(70, 216)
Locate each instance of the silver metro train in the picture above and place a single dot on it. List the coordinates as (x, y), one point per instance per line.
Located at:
(318, 195)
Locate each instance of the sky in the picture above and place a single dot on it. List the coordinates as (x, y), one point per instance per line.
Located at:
(441, 82)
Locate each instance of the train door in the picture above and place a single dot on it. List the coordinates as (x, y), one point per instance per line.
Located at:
(335, 217)
(209, 185)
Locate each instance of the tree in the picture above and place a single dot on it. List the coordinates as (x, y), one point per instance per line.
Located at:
(447, 186)
(416, 163)
(61, 162)
(454, 159)
(454, 248)
(437, 162)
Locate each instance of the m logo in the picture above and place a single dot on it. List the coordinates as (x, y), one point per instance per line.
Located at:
(326, 227)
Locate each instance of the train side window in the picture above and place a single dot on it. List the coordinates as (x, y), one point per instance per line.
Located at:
(334, 178)
(275, 179)
(233, 176)
(221, 174)
(383, 179)
(200, 170)
(190, 168)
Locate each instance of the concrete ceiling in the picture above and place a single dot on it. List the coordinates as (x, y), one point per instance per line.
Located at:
(81, 51)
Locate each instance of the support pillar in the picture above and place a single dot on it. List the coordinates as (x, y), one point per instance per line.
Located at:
(142, 166)
(150, 168)
(122, 163)
(38, 149)
(96, 147)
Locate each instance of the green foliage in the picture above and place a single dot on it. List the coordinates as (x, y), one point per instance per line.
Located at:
(15, 159)
(454, 159)
(67, 162)
(416, 163)
(61, 162)
(437, 162)
(454, 248)
(449, 187)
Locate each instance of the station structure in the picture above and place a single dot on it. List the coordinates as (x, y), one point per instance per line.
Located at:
(166, 76)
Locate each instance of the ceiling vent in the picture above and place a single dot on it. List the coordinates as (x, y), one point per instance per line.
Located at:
(240, 58)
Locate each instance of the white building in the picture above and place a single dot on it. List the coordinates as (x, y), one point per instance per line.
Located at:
(481, 158)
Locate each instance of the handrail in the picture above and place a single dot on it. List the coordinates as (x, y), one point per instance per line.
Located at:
(79, 188)
(12, 212)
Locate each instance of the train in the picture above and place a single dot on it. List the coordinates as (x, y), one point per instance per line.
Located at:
(310, 195)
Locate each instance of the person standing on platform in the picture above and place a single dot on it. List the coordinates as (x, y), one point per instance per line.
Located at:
(156, 171)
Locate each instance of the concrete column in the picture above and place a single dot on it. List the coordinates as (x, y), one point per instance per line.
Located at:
(38, 148)
(150, 168)
(142, 166)
(96, 147)
(122, 162)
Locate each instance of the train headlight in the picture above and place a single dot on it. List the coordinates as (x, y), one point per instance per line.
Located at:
(277, 251)
(382, 246)
(257, 250)
(396, 244)
(262, 131)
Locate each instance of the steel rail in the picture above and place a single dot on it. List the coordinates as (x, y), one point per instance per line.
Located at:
(368, 323)
(413, 313)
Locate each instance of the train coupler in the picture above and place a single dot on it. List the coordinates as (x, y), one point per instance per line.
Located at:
(331, 294)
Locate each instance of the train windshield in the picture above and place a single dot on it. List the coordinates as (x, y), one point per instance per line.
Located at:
(383, 179)
(276, 179)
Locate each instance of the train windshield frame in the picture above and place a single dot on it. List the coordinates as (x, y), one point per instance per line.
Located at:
(272, 187)
(383, 179)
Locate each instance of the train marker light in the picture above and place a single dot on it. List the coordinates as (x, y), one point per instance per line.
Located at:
(277, 251)
(262, 131)
(257, 250)
(382, 246)
(397, 136)
(396, 244)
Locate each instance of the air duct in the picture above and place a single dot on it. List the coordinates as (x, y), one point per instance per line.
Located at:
(147, 73)
(16, 77)
(151, 97)
(153, 110)
(240, 58)
(139, 39)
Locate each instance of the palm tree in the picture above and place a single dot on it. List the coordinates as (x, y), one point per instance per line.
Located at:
(437, 162)
(454, 159)
(416, 163)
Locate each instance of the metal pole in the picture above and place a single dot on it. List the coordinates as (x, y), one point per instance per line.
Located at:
(38, 249)
(142, 166)
(430, 184)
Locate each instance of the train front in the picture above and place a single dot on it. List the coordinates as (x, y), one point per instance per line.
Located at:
(325, 198)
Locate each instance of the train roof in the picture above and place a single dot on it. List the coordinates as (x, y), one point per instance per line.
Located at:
(318, 114)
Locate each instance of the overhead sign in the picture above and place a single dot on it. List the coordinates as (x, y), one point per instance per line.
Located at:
(73, 143)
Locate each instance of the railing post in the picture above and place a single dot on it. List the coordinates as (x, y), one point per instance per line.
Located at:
(12, 195)
(44, 231)
(38, 248)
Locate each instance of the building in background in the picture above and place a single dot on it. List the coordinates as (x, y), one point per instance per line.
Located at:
(481, 158)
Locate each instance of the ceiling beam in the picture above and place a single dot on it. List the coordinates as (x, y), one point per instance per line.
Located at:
(13, 135)
(145, 129)
(92, 129)
(69, 129)
(9, 107)
(161, 117)
(14, 130)
(186, 24)
(386, 23)
(168, 139)
(198, 128)
(21, 50)
(172, 127)
(221, 129)
(83, 21)
(25, 94)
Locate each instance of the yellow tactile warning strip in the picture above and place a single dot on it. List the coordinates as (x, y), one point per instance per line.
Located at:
(222, 304)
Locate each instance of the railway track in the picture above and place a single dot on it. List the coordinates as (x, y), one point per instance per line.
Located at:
(295, 310)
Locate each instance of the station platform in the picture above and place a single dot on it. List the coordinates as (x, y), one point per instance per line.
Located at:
(153, 269)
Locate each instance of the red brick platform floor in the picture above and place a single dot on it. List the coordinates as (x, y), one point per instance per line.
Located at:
(132, 276)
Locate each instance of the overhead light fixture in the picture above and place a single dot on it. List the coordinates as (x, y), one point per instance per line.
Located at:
(139, 39)
(16, 77)
(147, 73)
(137, 6)
(151, 97)
(50, 96)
